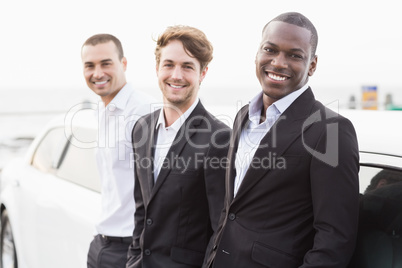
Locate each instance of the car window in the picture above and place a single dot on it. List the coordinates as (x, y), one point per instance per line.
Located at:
(365, 176)
(371, 178)
(78, 164)
(47, 155)
(67, 159)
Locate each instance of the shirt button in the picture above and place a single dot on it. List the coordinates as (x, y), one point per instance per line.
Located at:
(149, 221)
(232, 216)
(147, 252)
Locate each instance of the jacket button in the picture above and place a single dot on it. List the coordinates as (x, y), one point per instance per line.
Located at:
(147, 252)
(149, 221)
(215, 247)
(232, 216)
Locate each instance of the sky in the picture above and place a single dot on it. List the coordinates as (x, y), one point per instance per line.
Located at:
(359, 42)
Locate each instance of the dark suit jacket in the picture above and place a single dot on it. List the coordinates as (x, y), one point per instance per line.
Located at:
(300, 208)
(176, 217)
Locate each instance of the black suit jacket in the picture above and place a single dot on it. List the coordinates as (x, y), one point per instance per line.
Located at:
(176, 216)
(298, 203)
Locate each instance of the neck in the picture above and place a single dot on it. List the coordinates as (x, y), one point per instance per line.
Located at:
(263, 114)
(108, 98)
(171, 115)
(173, 112)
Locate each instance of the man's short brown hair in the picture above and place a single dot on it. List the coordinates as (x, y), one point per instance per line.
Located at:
(104, 38)
(194, 41)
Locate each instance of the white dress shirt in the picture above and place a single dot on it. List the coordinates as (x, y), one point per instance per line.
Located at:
(252, 135)
(166, 136)
(116, 171)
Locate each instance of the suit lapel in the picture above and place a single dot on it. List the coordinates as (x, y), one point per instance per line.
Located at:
(283, 133)
(178, 145)
(147, 152)
(240, 123)
(153, 136)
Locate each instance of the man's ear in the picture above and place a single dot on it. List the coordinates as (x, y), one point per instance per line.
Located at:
(203, 74)
(124, 62)
(313, 66)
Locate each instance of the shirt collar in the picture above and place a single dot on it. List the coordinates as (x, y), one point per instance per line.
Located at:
(278, 107)
(120, 100)
(177, 124)
(285, 102)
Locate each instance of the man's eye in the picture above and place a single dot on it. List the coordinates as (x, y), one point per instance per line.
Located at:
(297, 56)
(188, 67)
(267, 49)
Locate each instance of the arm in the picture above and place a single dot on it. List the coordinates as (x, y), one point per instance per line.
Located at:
(216, 162)
(335, 193)
(134, 251)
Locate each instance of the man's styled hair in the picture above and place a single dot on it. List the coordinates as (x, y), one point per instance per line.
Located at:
(301, 21)
(194, 41)
(104, 38)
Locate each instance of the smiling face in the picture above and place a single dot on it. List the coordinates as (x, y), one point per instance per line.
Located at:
(284, 61)
(103, 71)
(179, 75)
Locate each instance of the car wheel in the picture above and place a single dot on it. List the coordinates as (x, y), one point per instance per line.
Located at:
(8, 255)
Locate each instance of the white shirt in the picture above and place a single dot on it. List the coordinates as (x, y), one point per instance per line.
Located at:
(166, 136)
(116, 171)
(252, 135)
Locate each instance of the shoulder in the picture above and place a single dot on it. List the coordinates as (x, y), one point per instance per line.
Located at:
(146, 120)
(141, 97)
(215, 120)
(332, 128)
(241, 114)
(141, 103)
(201, 115)
(328, 115)
(216, 132)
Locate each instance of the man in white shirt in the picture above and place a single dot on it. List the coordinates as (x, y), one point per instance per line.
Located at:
(104, 71)
(180, 165)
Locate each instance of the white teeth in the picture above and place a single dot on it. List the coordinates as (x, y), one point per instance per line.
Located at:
(173, 86)
(276, 77)
(100, 83)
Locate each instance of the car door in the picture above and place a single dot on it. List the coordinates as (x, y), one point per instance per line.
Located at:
(58, 205)
(379, 241)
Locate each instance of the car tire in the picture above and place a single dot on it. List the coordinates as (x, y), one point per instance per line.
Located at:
(8, 254)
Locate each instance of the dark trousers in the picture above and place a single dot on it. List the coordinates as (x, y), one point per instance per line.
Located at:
(108, 253)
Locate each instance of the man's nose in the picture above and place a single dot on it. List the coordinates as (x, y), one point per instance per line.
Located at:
(98, 73)
(279, 61)
(177, 73)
